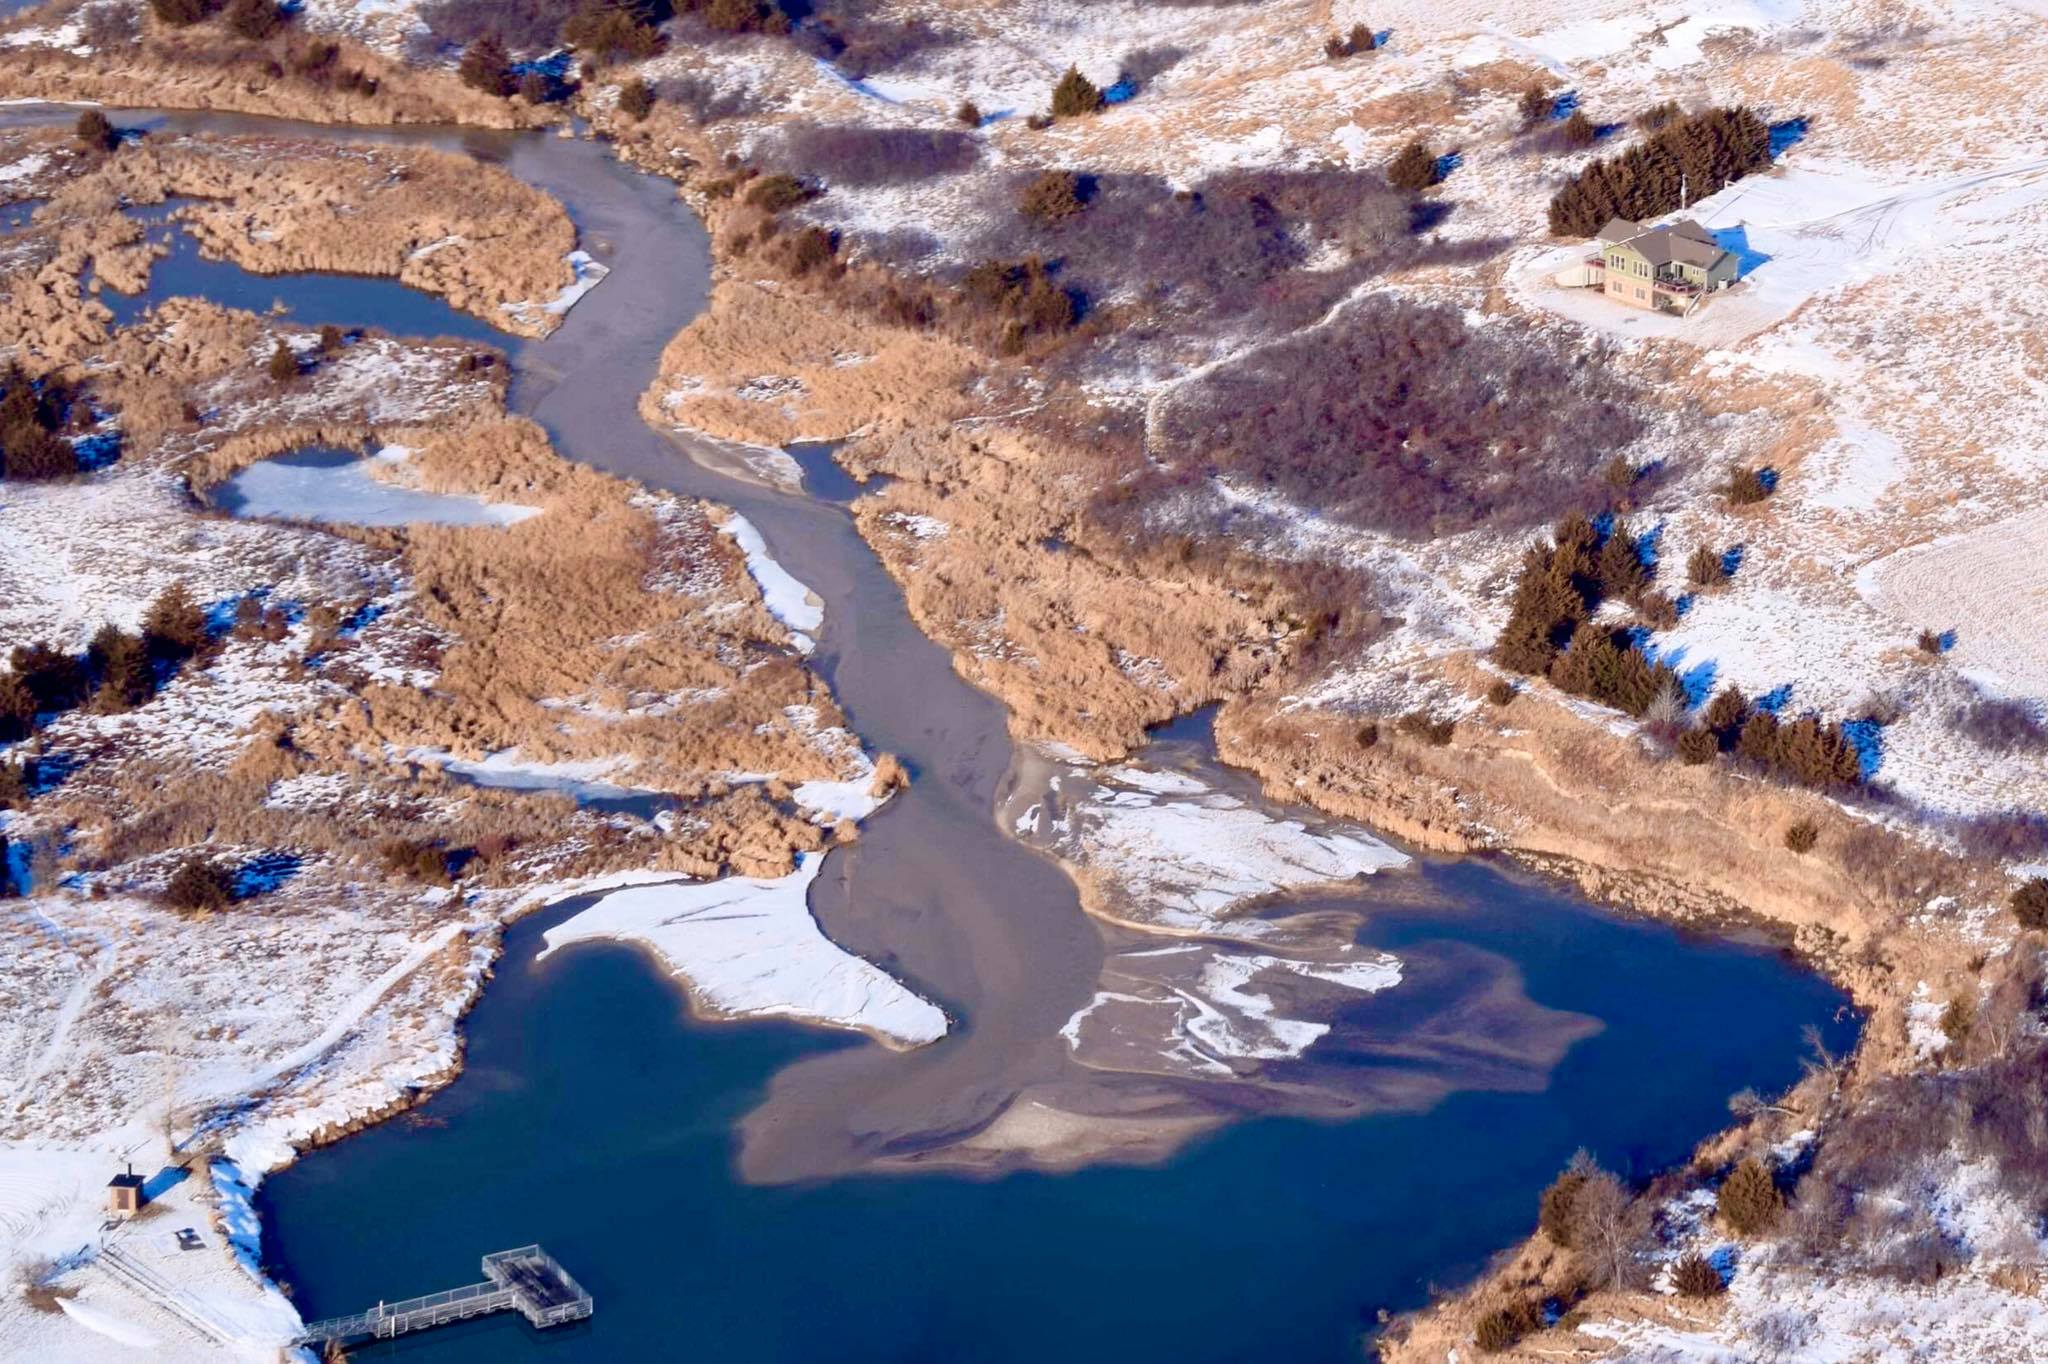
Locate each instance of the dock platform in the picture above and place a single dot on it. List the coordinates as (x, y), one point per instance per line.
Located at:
(528, 1281)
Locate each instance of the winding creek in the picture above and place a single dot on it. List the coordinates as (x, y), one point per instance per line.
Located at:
(760, 1192)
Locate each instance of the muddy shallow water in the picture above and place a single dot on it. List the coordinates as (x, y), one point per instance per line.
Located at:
(714, 1185)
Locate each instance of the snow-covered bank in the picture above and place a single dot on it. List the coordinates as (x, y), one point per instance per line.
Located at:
(587, 273)
(1172, 853)
(788, 600)
(747, 947)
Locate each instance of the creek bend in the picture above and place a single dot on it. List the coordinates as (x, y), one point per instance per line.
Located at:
(602, 1119)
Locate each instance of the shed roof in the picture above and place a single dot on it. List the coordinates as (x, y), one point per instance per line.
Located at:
(131, 1180)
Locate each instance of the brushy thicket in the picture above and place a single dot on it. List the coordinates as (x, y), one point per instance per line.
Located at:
(1401, 418)
(1992, 1114)
(861, 39)
(1502, 1328)
(31, 415)
(848, 154)
(2002, 725)
(1687, 159)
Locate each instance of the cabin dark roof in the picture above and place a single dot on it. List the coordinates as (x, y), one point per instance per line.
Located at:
(130, 1180)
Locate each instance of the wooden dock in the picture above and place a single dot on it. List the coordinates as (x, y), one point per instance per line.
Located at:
(528, 1281)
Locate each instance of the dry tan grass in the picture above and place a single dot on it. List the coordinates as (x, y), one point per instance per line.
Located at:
(196, 69)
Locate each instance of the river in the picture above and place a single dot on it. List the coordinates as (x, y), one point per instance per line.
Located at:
(715, 1185)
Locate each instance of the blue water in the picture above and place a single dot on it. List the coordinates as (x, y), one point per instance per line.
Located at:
(594, 1117)
(311, 299)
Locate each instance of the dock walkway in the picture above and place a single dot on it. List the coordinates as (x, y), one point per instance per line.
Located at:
(527, 1280)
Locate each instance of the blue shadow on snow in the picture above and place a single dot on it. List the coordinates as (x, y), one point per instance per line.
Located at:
(1735, 241)
(1785, 134)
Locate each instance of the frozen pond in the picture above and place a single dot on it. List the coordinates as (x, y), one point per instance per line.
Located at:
(310, 298)
(336, 487)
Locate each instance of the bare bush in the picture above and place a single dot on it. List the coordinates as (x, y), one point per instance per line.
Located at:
(2002, 725)
(522, 25)
(1802, 835)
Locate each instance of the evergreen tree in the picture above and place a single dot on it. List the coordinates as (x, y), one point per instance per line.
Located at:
(121, 662)
(1075, 95)
(174, 626)
(485, 67)
(17, 708)
(284, 365)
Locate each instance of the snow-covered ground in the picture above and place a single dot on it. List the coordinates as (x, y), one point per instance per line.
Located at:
(171, 1285)
(747, 947)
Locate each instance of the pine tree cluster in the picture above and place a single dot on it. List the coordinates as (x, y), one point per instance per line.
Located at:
(1549, 629)
(30, 417)
(1808, 750)
(1686, 160)
(120, 670)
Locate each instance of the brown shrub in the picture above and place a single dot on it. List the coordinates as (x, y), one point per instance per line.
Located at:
(1706, 568)
(1930, 642)
(1697, 746)
(774, 193)
(636, 99)
(200, 885)
(1554, 1207)
(1746, 487)
(1802, 835)
(611, 32)
(1051, 197)
(968, 113)
(1414, 169)
(1579, 131)
(485, 67)
(1420, 724)
(1694, 1276)
(2030, 903)
(254, 20)
(1501, 692)
(1504, 1327)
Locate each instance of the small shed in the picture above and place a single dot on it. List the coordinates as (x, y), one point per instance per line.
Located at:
(124, 1194)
